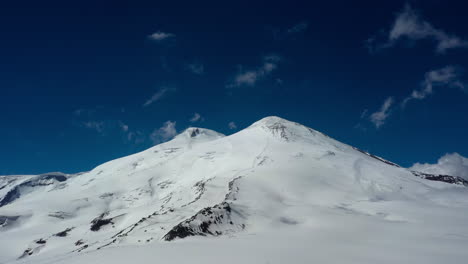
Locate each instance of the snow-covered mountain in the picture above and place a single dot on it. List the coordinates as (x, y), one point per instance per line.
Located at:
(275, 192)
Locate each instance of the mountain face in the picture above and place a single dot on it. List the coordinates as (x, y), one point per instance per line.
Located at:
(274, 181)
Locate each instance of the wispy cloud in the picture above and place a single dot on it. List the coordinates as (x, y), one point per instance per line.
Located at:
(136, 137)
(164, 133)
(132, 136)
(251, 77)
(157, 96)
(160, 36)
(196, 68)
(379, 117)
(298, 28)
(196, 117)
(91, 119)
(285, 33)
(232, 125)
(447, 76)
(123, 126)
(411, 26)
(97, 126)
(83, 112)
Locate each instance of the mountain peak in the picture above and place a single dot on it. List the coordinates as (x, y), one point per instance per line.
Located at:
(199, 133)
(283, 129)
(269, 120)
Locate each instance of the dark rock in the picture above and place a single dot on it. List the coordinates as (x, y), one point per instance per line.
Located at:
(40, 241)
(378, 158)
(27, 252)
(64, 233)
(441, 178)
(100, 221)
(200, 223)
(194, 132)
(7, 220)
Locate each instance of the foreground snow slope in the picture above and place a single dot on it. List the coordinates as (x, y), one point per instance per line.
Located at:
(275, 192)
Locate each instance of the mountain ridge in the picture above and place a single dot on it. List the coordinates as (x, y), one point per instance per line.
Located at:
(275, 174)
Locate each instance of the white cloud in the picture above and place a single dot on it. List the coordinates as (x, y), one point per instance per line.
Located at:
(246, 78)
(82, 112)
(298, 28)
(196, 117)
(447, 76)
(123, 126)
(232, 125)
(114, 127)
(98, 126)
(379, 117)
(409, 25)
(450, 164)
(164, 133)
(157, 96)
(160, 36)
(250, 78)
(136, 137)
(196, 68)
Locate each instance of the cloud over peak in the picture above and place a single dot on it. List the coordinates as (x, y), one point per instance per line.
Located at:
(164, 133)
(450, 164)
(196, 117)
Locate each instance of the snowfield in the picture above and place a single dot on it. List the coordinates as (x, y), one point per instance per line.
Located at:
(275, 192)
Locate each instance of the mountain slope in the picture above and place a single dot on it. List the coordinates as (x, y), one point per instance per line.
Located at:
(274, 177)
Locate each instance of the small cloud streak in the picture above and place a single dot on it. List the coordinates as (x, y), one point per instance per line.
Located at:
(196, 68)
(196, 117)
(160, 36)
(98, 126)
(232, 125)
(409, 25)
(164, 133)
(298, 28)
(251, 77)
(379, 117)
(157, 96)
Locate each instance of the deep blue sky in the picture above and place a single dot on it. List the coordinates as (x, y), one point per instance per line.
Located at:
(75, 76)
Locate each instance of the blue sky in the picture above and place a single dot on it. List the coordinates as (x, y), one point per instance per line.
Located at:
(86, 82)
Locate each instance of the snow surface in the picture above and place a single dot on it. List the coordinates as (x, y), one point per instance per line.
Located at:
(275, 192)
